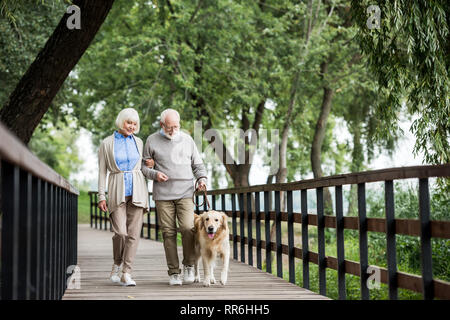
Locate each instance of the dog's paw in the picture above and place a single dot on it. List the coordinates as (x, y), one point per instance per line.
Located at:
(213, 280)
(223, 279)
(206, 283)
(197, 279)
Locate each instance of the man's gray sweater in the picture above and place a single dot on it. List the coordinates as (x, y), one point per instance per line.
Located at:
(178, 158)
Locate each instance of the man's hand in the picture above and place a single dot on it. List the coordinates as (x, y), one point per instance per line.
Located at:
(161, 177)
(102, 206)
(149, 163)
(201, 185)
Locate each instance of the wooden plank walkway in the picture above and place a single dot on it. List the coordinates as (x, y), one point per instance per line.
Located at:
(150, 273)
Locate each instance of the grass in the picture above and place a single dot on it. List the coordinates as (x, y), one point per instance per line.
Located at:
(83, 207)
(352, 283)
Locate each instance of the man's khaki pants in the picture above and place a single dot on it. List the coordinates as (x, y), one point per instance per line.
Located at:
(168, 212)
(126, 223)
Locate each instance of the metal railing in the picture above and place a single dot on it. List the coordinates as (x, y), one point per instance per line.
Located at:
(38, 225)
(422, 227)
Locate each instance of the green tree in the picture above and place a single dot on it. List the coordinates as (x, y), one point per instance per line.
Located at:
(209, 60)
(24, 30)
(409, 57)
(35, 91)
(56, 146)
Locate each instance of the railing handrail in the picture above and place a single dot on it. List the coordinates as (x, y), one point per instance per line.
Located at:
(39, 225)
(423, 227)
(16, 152)
(380, 175)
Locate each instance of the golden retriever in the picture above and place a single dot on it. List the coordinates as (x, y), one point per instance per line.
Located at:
(211, 238)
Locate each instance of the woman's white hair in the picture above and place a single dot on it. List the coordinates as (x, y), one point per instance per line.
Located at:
(128, 114)
(166, 112)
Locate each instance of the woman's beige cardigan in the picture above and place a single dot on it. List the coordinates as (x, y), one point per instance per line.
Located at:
(116, 185)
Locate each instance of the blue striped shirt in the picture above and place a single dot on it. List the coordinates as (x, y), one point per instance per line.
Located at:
(126, 155)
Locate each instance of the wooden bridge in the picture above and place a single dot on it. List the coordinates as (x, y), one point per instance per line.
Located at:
(150, 273)
(45, 254)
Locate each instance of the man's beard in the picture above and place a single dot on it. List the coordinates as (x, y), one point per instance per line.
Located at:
(171, 136)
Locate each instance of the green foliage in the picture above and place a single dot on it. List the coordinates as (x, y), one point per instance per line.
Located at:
(25, 27)
(7, 8)
(215, 61)
(180, 58)
(409, 58)
(56, 147)
(84, 207)
(21, 41)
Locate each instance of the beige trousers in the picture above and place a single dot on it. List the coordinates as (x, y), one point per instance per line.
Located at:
(168, 213)
(126, 223)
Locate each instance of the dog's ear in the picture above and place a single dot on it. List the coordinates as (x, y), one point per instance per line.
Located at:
(198, 221)
(224, 221)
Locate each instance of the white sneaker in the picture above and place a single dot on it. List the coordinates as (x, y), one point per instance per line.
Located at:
(175, 280)
(126, 280)
(114, 276)
(188, 274)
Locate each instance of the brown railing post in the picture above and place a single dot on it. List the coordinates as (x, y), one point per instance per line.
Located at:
(234, 225)
(96, 209)
(390, 239)
(267, 229)
(290, 230)
(321, 242)
(278, 235)
(156, 225)
(148, 225)
(249, 229)
(425, 239)
(305, 250)
(91, 205)
(340, 243)
(242, 225)
(44, 239)
(258, 231)
(363, 255)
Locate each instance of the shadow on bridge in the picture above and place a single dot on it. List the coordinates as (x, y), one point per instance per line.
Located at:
(150, 273)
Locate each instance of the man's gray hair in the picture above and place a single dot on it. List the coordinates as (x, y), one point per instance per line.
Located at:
(166, 112)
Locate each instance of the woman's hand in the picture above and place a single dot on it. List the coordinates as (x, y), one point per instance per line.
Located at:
(102, 206)
(149, 163)
(161, 177)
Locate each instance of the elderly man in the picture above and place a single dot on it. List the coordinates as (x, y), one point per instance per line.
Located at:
(177, 162)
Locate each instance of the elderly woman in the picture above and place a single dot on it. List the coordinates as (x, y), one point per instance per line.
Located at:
(120, 154)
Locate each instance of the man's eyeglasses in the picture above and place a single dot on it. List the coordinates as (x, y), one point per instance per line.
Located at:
(172, 127)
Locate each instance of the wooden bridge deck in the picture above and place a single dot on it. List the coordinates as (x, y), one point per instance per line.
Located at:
(150, 273)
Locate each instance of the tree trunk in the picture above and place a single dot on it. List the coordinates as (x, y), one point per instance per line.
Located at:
(35, 91)
(357, 161)
(281, 175)
(319, 135)
(241, 175)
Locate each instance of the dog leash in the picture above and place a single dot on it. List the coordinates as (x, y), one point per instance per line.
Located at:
(204, 193)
